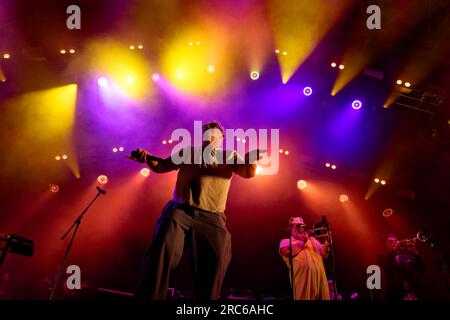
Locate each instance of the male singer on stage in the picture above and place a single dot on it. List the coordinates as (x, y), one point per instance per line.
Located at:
(195, 217)
(310, 279)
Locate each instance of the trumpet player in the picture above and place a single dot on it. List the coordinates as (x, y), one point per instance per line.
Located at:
(310, 280)
(401, 263)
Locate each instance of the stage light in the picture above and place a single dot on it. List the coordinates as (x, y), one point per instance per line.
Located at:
(102, 179)
(102, 82)
(376, 180)
(179, 75)
(62, 51)
(238, 139)
(54, 188)
(307, 91)
(244, 141)
(399, 82)
(301, 184)
(115, 149)
(286, 153)
(6, 56)
(284, 53)
(407, 84)
(156, 77)
(72, 50)
(333, 65)
(170, 141)
(356, 104)
(277, 51)
(254, 75)
(258, 169)
(388, 212)
(198, 43)
(57, 158)
(140, 47)
(211, 69)
(333, 166)
(343, 198)
(341, 67)
(281, 151)
(130, 79)
(164, 142)
(327, 165)
(121, 149)
(383, 182)
(145, 172)
(132, 47)
(64, 157)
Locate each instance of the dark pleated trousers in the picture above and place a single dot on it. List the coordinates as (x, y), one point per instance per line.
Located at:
(209, 242)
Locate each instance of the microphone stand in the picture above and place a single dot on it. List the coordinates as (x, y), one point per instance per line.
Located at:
(291, 262)
(441, 261)
(333, 263)
(75, 224)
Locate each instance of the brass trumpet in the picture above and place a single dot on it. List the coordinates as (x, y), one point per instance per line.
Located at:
(408, 244)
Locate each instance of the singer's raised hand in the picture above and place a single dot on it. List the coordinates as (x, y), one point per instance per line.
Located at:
(139, 155)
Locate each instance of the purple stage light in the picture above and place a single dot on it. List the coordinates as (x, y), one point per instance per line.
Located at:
(356, 104)
(102, 82)
(307, 91)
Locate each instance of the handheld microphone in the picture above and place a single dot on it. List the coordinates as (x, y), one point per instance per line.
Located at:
(100, 190)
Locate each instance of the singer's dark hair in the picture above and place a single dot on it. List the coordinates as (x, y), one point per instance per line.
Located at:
(213, 125)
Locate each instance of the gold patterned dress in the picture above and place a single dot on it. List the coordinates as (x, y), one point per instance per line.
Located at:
(309, 272)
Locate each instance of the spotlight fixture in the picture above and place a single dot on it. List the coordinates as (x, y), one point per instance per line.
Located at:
(376, 180)
(102, 82)
(254, 75)
(170, 141)
(72, 51)
(145, 172)
(281, 151)
(341, 67)
(198, 43)
(284, 53)
(115, 149)
(102, 179)
(343, 198)
(179, 75)
(277, 51)
(388, 212)
(383, 182)
(54, 188)
(286, 153)
(356, 104)
(6, 56)
(307, 91)
(156, 77)
(121, 149)
(64, 157)
(399, 82)
(57, 158)
(333, 166)
(327, 165)
(62, 51)
(211, 69)
(302, 184)
(407, 84)
(333, 64)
